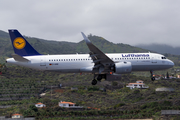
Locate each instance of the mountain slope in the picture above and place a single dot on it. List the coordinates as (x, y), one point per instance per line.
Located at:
(61, 47)
(161, 48)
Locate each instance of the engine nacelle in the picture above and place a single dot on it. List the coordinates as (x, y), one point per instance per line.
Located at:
(123, 67)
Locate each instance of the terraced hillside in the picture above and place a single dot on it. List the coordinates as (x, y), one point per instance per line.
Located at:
(20, 88)
(20, 83)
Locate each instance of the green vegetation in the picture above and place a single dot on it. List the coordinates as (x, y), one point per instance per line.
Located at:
(20, 87)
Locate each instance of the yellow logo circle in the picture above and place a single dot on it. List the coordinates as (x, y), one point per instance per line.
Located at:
(19, 43)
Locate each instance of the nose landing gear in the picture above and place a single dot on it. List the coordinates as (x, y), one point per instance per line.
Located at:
(152, 78)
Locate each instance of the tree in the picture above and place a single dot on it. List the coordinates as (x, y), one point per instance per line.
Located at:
(33, 107)
(167, 75)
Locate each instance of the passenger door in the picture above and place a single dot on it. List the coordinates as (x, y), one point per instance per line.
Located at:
(154, 60)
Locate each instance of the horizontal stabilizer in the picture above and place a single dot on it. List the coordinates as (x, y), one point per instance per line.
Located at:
(19, 58)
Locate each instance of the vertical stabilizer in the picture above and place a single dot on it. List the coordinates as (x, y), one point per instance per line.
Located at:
(21, 45)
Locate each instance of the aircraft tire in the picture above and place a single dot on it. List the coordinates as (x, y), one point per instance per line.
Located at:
(94, 82)
(153, 78)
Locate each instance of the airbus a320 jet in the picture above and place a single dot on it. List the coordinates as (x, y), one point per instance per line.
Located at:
(107, 66)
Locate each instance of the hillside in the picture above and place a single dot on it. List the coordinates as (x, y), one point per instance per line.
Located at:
(21, 88)
(161, 48)
(61, 47)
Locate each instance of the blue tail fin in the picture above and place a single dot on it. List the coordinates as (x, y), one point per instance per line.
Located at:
(21, 45)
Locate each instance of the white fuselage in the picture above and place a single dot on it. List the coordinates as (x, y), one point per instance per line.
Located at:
(77, 63)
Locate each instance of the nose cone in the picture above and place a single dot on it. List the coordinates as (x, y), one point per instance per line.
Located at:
(171, 63)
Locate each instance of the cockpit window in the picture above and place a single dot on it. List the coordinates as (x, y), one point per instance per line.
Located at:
(163, 57)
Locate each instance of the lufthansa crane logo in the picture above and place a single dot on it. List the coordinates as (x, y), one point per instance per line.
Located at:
(19, 43)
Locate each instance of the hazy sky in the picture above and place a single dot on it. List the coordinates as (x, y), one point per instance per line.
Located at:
(119, 21)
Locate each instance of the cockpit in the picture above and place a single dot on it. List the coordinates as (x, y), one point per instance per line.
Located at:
(163, 57)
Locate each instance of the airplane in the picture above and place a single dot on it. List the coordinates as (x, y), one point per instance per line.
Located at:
(103, 66)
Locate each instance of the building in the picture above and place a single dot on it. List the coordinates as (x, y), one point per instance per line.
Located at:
(158, 77)
(40, 105)
(138, 84)
(139, 81)
(165, 89)
(66, 104)
(17, 116)
(42, 94)
(170, 77)
(178, 76)
(170, 112)
(74, 88)
(69, 105)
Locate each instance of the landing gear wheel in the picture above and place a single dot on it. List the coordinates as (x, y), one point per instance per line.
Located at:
(99, 77)
(153, 78)
(94, 82)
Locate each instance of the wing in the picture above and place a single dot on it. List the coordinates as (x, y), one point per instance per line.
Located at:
(102, 62)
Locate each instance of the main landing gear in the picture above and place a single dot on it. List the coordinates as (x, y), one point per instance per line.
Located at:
(152, 78)
(94, 82)
(99, 78)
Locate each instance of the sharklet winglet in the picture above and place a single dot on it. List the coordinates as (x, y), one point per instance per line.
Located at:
(85, 38)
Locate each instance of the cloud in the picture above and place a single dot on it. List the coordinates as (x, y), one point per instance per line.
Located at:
(120, 21)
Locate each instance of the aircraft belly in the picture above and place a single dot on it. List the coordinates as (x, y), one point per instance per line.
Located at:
(148, 67)
(29, 65)
(65, 70)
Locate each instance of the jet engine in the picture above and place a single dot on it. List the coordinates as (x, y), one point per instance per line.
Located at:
(122, 67)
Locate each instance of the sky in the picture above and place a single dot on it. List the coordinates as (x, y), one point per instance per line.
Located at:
(119, 21)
